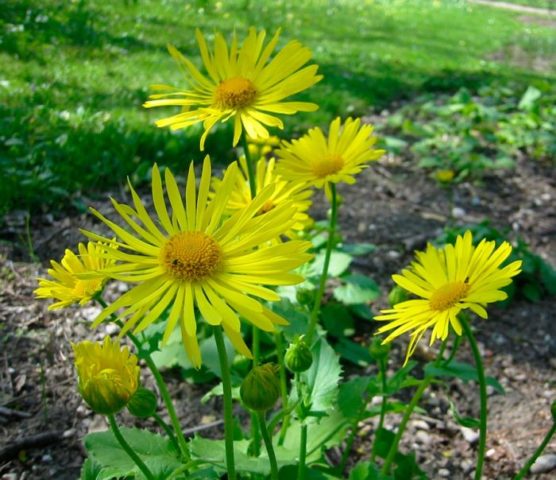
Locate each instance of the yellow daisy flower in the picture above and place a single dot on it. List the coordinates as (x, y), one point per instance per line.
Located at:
(284, 191)
(66, 285)
(108, 375)
(318, 160)
(447, 281)
(242, 84)
(196, 256)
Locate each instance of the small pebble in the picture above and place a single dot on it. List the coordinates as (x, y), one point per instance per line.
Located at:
(69, 433)
(458, 212)
(423, 437)
(443, 472)
(490, 453)
(420, 425)
(46, 458)
(470, 435)
(545, 463)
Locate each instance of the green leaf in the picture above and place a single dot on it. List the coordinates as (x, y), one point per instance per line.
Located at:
(339, 263)
(209, 353)
(468, 422)
(353, 352)
(548, 277)
(366, 471)
(462, 370)
(159, 454)
(90, 470)
(299, 320)
(358, 249)
(352, 396)
(214, 452)
(357, 289)
(327, 432)
(532, 292)
(323, 376)
(337, 320)
(400, 379)
(529, 99)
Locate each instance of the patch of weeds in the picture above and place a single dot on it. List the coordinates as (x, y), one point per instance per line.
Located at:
(462, 136)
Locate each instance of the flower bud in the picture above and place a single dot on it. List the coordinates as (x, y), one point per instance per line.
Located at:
(377, 350)
(143, 403)
(261, 387)
(108, 375)
(444, 176)
(397, 295)
(298, 357)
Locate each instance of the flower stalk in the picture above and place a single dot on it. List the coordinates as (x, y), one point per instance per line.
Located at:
(127, 448)
(324, 275)
(228, 414)
(483, 396)
(269, 448)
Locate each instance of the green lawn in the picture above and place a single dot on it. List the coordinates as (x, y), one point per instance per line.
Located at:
(76, 73)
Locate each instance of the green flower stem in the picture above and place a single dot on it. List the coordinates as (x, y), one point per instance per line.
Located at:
(255, 431)
(328, 253)
(127, 447)
(162, 424)
(228, 414)
(382, 366)
(162, 388)
(537, 453)
(455, 347)
(283, 386)
(349, 443)
(407, 414)
(483, 396)
(409, 410)
(269, 448)
(303, 435)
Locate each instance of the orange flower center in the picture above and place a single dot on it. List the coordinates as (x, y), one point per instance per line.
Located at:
(328, 165)
(191, 256)
(235, 93)
(448, 295)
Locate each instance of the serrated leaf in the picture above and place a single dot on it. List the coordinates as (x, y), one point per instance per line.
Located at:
(159, 454)
(462, 370)
(352, 396)
(325, 433)
(356, 290)
(90, 470)
(213, 452)
(323, 376)
(298, 320)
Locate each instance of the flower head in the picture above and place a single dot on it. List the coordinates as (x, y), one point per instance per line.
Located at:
(448, 281)
(108, 375)
(67, 284)
(243, 84)
(318, 160)
(284, 191)
(196, 256)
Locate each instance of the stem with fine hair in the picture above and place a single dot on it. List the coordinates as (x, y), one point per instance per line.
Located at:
(162, 388)
(127, 448)
(409, 410)
(303, 431)
(324, 274)
(269, 448)
(483, 396)
(537, 452)
(382, 366)
(407, 414)
(228, 414)
(255, 431)
(283, 386)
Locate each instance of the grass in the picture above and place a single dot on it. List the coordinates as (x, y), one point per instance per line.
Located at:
(71, 120)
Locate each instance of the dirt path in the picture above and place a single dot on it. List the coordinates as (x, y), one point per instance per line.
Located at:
(516, 8)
